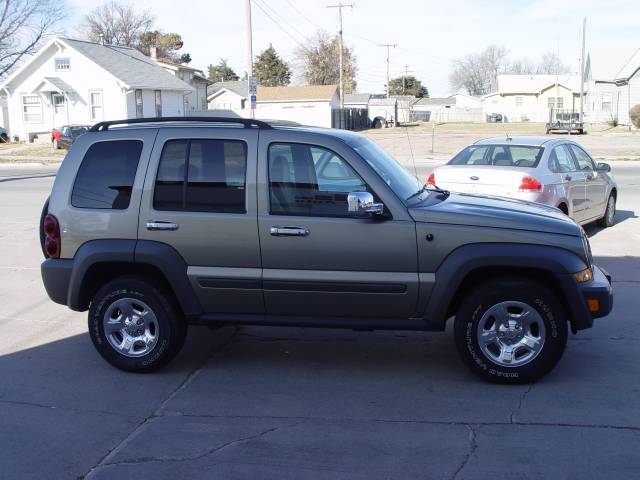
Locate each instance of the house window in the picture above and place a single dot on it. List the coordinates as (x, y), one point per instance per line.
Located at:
(158, 103)
(31, 109)
(518, 101)
(559, 102)
(551, 102)
(59, 103)
(606, 102)
(95, 106)
(555, 102)
(139, 111)
(62, 64)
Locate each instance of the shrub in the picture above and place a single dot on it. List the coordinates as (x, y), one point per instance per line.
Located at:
(634, 114)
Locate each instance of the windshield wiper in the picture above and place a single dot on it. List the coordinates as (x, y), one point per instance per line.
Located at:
(429, 188)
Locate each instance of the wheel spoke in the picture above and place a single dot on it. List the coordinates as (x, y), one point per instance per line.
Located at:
(489, 336)
(127, 343)
(113, 325)
(530, 343)
(506, 354)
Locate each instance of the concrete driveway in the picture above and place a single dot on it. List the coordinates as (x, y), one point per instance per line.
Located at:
(305, 403)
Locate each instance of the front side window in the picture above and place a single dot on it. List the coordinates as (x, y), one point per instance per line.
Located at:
(31, 109)
(202, 175)
(62, 64)
(158, 95)
(139, 109)
(106, 175)
(309, 180)
(95, 106)
(585, 164)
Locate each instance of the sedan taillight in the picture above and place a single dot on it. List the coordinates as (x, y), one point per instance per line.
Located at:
(530, 184)
(431, 180)
(52, 241)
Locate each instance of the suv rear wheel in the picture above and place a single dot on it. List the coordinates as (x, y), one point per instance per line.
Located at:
(511, 331)
(134, 326)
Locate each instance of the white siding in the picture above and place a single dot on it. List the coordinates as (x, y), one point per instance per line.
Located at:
(527, 106)
(227, 100)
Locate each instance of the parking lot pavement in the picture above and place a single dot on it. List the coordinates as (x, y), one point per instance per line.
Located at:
(304, 403)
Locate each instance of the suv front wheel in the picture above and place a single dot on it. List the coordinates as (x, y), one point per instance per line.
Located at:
(511, 330)
(134, 325)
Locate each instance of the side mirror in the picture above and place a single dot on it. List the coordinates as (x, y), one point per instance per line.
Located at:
(604, 167)
(361, 204)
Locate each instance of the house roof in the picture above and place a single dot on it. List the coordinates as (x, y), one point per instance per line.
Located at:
(298, 93)
(128, 65)
(436, 101)
(351, 98)
(535, 84)
(383, 101)
(57, 85)
(609, 65)
(239, 87)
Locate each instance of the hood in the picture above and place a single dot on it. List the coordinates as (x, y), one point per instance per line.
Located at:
(496, 212)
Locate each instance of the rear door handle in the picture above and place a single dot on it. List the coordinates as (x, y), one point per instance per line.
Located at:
(161, 225)
(568, 178)
(590, 177)
(278, 231)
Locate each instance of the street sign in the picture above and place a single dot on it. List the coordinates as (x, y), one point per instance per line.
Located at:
(253, 86)
(253, 102)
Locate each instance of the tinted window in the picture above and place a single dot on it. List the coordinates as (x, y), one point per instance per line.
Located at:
(585, 163)
(499, 156)
(106, 175)
(309, 180)
(202, 176)
(560, 160)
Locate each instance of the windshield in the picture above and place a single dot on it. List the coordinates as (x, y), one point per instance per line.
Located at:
(76, 131)
(499, 156)
(401, 182)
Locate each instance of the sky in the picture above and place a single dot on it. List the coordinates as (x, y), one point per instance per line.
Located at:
(430, 35)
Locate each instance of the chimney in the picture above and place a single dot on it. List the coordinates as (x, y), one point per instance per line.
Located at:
(153, 52)
(102, 42)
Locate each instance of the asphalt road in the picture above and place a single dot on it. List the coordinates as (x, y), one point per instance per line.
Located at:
(304, 403)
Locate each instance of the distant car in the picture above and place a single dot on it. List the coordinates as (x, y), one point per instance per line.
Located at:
(63, 137)
(555, 172)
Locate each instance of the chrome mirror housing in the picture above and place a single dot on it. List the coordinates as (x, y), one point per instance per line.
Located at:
(362, 204)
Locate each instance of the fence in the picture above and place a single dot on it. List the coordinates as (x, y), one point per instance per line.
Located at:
(350, 118)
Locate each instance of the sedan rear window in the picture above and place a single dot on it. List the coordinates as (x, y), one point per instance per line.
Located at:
(499, 156)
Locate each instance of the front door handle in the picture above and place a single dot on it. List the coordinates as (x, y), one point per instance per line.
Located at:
(161, 225)
(590, 176)
(278, 231)
(568, 178)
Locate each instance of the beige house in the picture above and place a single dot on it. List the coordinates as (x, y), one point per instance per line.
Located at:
(305, 104)
(529, 98)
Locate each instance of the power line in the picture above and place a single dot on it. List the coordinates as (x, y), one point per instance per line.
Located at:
(303, 15)
(284, 20)
(278, 24)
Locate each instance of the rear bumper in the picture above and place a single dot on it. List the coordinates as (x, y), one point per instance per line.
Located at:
(598, 292)
(56, 276)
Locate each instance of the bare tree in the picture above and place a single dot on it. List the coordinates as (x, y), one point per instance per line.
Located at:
(551, 64)
(24, 24)
(117, 24)
(318, 62)
(521, 66)
(477, 73)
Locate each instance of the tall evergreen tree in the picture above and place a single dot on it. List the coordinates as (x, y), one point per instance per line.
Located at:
(407, 85)
(222, 72)
(270, 70)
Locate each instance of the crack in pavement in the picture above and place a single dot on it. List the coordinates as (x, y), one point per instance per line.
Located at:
(520, 400)
(62, 409)
(157, 412)
(473, 446)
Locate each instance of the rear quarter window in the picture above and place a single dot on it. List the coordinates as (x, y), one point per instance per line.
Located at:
(106, 175)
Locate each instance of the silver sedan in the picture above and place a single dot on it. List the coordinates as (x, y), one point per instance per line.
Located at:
(555, 172)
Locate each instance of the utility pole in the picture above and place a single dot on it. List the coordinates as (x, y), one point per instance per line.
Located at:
(250, 93)
(404, 80)
(340, 6)
(388, 46)
(584, 28)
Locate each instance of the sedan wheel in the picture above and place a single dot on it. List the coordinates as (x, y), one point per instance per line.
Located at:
(609, 218)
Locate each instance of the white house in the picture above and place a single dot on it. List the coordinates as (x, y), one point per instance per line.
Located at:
(196, 100)
(305, 104)
(458, 107)
(356, 100)
(77, 82)
(613, 84)
(521, 98)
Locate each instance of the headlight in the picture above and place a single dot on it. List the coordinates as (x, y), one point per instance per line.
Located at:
(584, 275)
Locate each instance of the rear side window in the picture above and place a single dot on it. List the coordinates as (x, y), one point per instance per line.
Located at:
(202, 175)
(106, 175)
(560, 160)
(499, 155)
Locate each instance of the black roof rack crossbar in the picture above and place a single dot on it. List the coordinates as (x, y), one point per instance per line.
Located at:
(247, 122)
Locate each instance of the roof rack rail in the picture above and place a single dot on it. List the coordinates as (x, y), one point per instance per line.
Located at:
(247, 122)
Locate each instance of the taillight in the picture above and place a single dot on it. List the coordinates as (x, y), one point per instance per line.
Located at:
(529, 184)
(52, 244)
(431, 180)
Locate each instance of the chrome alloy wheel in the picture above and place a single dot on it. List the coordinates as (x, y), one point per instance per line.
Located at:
(511, 333)
(611, 210)
(131, 327)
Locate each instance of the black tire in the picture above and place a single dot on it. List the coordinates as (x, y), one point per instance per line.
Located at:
(609, 218)
(492, 293)
(171, 326)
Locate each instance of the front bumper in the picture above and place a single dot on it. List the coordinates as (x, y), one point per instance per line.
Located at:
(598, 293)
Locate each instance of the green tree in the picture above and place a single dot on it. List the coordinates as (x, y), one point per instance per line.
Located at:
(320, 62)
(167, 45)
(185, 58)
(270, 70)
(222, 72)
(407, 85)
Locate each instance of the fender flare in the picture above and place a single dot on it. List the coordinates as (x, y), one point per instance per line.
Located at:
(464, 260)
